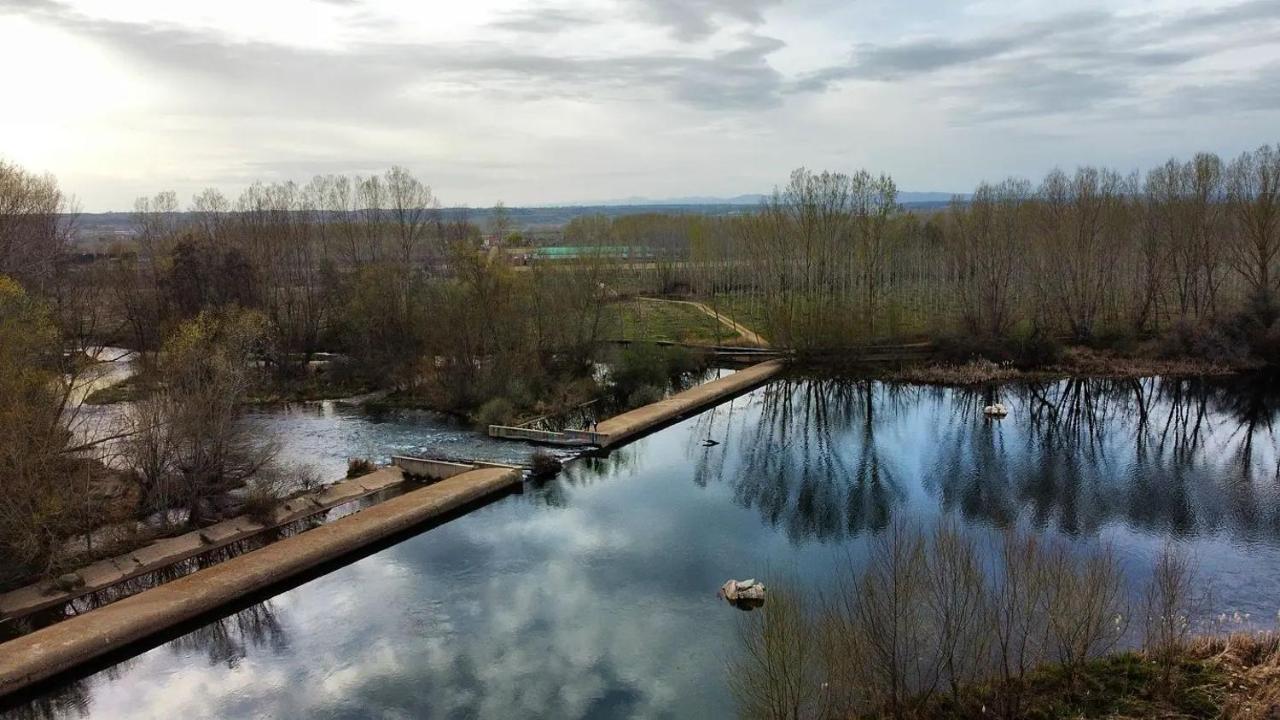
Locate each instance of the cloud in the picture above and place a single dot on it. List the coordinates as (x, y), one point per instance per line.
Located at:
(624, 97)
(378, 77)
(1076, 62)
(691, 20)
(542, 21)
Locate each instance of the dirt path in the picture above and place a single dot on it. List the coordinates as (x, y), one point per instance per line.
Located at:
(747, 334)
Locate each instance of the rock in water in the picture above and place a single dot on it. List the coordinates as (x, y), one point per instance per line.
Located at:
(996, 411)
(743, 594)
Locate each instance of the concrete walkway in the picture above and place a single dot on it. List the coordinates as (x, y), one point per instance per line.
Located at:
(622, 427)
(61, 647)
(168, 551)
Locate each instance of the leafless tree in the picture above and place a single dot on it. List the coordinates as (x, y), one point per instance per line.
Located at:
(1253, 188)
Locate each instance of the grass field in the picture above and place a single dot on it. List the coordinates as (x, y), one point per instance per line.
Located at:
(651, 321)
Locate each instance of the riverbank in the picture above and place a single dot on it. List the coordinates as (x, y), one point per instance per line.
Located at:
(1075, 362)
(1233, 676)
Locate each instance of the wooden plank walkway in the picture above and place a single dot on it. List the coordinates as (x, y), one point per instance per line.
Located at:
(61, 647)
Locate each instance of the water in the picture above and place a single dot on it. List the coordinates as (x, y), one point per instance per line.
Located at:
(594, 595)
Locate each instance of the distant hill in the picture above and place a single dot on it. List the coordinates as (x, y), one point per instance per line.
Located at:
(102, 228)
(906, 198)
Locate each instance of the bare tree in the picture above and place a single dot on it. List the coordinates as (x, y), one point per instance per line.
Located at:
(779, 673)
(411, 205)
(33, 228)
(1253, 189)
(1170, 602)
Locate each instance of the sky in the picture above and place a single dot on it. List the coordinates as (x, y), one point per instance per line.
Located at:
(589, 100)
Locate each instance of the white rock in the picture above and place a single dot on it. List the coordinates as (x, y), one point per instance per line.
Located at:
(737, 591)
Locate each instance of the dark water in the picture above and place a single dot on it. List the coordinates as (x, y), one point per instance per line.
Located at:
(594, 595)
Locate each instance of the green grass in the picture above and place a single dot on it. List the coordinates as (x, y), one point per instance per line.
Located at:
(650, 321)
(901, 318)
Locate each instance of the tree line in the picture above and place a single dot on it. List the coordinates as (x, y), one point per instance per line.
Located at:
(231, 300)
(1186, 252)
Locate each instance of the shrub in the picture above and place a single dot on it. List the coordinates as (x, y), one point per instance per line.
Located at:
(262, 496)
(1035, 348)
(653, 366)
(1171, 600)
(497, 411)
(644, 395)
(926, 613)
(1204, 341)
(637, 366)
(543, 465)
(1028, 348)
(965, 348)
(357, 467)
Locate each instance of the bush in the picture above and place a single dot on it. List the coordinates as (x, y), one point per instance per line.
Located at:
(637, 366)
(497, 411)
(1032, 348)
(544, 466)
(358, 467)
(262, 496)
(926, 616)
(1204, 341)
(653, 366)
(644, 395)
(1035, 348)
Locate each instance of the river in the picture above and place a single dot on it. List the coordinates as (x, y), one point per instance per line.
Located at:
(593, 595)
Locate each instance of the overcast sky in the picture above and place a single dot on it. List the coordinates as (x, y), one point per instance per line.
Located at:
(587, 100)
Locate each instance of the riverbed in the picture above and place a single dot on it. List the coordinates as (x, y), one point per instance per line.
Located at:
(593, 594)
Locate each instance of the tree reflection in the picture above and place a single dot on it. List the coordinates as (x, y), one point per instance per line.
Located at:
(1167, 456)
(806, 456)
(826, 459)
(226, 641)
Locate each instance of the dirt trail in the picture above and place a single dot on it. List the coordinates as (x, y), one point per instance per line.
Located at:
(747, 334)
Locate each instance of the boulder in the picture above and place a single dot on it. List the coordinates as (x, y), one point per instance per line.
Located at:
(742, 593)
(68, 582)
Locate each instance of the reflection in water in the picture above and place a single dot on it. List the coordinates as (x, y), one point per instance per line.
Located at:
(593, 594)
(810, 461)
(825, 460)
(226, 641)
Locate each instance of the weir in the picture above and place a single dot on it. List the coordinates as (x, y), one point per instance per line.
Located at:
(61, 647)
(65, 645)
(627, 425)
(622, 427)
(169, 551)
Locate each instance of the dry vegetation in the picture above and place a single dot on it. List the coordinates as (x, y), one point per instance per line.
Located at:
(1072, 362)
(935, 624)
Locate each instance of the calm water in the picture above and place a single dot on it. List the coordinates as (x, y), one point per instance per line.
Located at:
(594, 595)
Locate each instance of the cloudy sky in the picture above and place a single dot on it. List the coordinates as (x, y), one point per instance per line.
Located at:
(580, 100)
